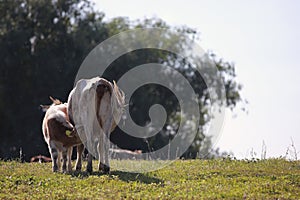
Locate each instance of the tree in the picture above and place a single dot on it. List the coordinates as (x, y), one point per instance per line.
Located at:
(43, 43)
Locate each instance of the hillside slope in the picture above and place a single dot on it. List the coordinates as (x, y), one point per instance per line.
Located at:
(183, 179)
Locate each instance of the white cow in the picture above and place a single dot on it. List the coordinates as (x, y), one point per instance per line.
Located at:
(95, 107)
(60, 136)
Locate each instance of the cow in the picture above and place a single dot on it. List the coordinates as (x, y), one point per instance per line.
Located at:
(95, 107)
(60, 136)
(123, 154)
(40, 159)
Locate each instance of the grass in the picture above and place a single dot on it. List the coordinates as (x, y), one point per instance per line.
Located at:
(183, 179)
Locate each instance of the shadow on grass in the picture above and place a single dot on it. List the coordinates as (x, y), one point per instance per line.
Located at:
(129, 176)
(124, 176)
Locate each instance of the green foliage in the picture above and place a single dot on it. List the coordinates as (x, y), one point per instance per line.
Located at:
(183, 179)
(39, 58)
(43, 43)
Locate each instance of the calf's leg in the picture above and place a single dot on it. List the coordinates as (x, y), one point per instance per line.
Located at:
(64, 158)
(54, 156)
(59, 159)
(69, 159)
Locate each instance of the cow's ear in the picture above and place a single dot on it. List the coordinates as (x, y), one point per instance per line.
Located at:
(55, 101)
(44, 108)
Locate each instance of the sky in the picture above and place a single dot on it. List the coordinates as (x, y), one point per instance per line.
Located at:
(262, 39)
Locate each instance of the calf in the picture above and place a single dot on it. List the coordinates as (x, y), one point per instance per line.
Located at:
(61, 136)
(95, 107)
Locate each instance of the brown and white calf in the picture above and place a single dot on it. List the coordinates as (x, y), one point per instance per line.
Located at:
(95, 107)
(60, 136)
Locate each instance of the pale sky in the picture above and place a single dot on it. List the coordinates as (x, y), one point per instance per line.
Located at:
(262, 38)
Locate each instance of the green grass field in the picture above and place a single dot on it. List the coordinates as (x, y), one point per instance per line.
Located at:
(183, 179)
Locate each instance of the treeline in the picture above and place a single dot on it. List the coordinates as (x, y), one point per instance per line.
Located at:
(42, 45)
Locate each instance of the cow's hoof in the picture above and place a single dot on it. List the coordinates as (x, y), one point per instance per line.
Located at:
(78, 169)
(89, 169)
(104, 168)
(55, 169)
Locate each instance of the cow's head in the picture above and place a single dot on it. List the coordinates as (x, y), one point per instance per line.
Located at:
(54, 102)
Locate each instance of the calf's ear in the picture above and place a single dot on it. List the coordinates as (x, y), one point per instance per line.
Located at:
(55, 101)
(44, 108)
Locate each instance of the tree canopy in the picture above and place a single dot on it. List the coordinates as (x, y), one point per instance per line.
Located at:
(42, 45)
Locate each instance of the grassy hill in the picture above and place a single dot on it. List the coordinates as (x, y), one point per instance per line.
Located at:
(183, 179)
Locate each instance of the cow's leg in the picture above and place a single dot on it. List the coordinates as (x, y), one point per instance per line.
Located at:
(102, 147)
(106, 154)
(80, 149)
(100, 154)
(104, 166)
(54, 155)
(69, 158)
(89, 167)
